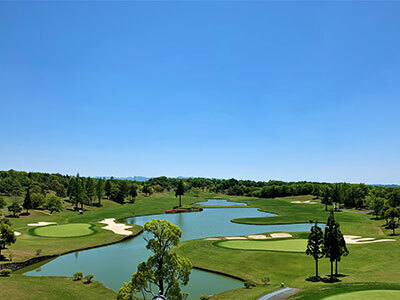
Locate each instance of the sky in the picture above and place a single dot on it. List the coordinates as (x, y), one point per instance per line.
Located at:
(250, 90)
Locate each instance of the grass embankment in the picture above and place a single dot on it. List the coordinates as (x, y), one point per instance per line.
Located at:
(351, 291)
(24, 287)
(368, 262)
(19, 287)
(289, 245)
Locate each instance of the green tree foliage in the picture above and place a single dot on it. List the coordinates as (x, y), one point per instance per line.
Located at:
(37, 200)
(3, 203)
(107, 188)
(326, 199)
(164, 270)
(27, 201)
(331, 244)
(180, 191)
(78, 275)
(90, 190)
(377, 204)
(342, 247)
(7, 236)
(315, 245)
(53, 203)
(89, 278)
(15, 208)
(99, 190)
(391, 214)
(133, 192)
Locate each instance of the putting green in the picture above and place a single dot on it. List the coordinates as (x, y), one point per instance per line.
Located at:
(367, 295)
(289, 245)
(66, 230)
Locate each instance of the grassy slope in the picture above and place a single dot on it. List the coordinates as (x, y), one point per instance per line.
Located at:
(27, 244)
(370, 262)
(287, 245)
(19, 287)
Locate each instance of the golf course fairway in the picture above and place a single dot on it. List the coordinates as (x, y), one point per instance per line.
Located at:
(289, 245)
(367, 295)
(66, 230)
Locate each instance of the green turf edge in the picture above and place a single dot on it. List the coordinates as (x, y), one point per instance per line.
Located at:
(217, 244)
(321, 292)
(91, 227)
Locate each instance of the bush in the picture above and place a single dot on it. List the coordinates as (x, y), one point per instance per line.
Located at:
(89, 278)
(248, 284)
(204, 297)
(78, 275)
(5, 272)
(38, 252)
(265, 280)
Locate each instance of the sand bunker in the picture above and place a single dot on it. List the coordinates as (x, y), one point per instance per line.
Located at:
(252, 237)
(41, 223)
(16, 233)
(117, 228)
(280, 235)
(304, 202)
(355, 239)
(258, 237)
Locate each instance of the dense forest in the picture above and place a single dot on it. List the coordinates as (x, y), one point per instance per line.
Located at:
(90, 191)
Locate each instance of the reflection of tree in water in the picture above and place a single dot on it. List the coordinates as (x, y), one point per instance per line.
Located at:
(76, 254)
(180, 221)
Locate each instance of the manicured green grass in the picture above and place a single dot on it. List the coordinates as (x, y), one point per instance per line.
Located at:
(66, 230)
(368, 262)
(289, 245)
(347, 290)
(20, 287)
(367, 295)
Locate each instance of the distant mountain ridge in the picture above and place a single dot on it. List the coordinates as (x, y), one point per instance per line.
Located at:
(132, 178)
(387, 185)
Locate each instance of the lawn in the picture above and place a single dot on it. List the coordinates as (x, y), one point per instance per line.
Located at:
(367, 295)
(66, 230)
(369, 262)
(289, 245)
(20, 287)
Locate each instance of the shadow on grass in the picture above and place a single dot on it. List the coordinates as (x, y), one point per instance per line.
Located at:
(325, 279)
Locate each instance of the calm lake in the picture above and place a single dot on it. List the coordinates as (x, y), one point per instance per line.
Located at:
(112, 265)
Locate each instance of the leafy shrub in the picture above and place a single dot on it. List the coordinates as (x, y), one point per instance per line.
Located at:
(5, 272)
(38, 252)
(248, 284)
(89, 278)
(78, 275)
(204, 297)
(265, 280)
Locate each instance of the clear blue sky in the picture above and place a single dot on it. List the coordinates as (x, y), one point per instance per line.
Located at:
(261, 90)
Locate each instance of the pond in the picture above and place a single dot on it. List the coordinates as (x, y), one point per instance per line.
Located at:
(114, 264)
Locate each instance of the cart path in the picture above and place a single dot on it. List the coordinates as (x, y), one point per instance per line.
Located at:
(280, 294)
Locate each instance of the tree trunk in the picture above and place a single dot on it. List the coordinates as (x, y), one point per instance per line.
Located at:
(180, 201)
(336, 273)
(331, 269)
(326, 207)
(316, 268)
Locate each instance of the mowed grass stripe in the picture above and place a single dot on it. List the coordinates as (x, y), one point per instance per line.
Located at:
(367, 295)
(65, 230)
(289, 245)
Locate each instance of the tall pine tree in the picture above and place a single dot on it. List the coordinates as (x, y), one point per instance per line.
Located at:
(315, 245)
(27, 201)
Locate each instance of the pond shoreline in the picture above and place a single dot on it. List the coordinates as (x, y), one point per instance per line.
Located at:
(15, 266)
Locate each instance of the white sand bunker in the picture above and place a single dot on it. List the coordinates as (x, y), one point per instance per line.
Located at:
(258, 237)
(280, 235)
(304, 202)
(41, 223)
(16, 233)
(117, 228)
(252, 237)
(355, 239)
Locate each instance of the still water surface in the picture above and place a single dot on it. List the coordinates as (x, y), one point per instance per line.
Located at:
(114, 264)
